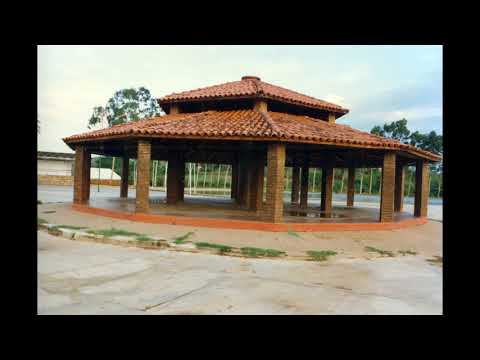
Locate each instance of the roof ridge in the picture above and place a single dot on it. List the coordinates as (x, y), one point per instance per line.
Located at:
(305, 95)
(270, 122)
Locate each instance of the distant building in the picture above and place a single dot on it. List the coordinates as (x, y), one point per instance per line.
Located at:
(55, 163)
(55, 168)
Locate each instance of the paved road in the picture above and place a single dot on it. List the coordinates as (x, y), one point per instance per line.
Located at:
(89, 278)
(47, 193)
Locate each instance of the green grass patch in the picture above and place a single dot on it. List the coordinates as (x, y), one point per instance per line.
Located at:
(257, 252)
(144, 238)
(41, 221)
(221, 248)
(181, 239)
(293, 233)
(407, 252)
(71, 227)
(379, 251)
(39, 202)
(113, 232)
(321, 255)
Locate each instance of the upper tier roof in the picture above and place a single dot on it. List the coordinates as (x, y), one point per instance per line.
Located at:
(252, 87)
(250, 125)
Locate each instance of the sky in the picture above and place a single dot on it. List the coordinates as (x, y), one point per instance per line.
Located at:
(377, 84)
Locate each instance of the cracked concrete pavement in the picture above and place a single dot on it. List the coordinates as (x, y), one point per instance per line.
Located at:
(90, 278)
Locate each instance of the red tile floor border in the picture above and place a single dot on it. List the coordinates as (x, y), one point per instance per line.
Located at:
(247, 224)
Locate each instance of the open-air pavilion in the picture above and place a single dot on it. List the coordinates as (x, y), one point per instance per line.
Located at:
(259, 129)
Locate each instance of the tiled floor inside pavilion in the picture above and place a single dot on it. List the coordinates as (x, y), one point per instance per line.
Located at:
(224, 208)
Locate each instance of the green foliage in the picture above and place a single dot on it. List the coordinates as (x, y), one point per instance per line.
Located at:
(321, 255)
(181, 239)
(41, 221)
(113, 232)
(144, 238)
(219, 247)
(293, 233)
(124, 106)
(379, 251)
(257, 252)
(407, 252)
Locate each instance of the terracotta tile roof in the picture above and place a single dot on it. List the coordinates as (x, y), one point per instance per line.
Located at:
(251, 86)
(249, 125)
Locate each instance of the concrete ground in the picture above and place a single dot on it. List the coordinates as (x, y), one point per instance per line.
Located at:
(90, 278)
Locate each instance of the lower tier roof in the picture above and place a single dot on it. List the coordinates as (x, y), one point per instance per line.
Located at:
(251, 125)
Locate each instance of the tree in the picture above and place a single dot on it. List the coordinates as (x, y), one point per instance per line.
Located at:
(124, 106)
(396, 130)
(429, 142)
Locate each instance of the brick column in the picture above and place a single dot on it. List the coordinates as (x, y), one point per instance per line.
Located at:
(422, 190)
(295, 184)
(181, 177)
(327, 190)
(86, 174)
(273, 210)
(351, 186)
(234, 182)
(175, 178)
(124, 180)
(388, 187)
(256, 183)
(143, 177)
(304, 187)
(81, 176)
(243, 180)
(399, 187)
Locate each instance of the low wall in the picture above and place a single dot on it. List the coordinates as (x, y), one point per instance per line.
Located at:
(68, 180)
(54, 180)
(105, 182)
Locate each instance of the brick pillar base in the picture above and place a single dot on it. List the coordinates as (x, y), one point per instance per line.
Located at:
(175, 178)
(124, 181)
(304, 187)
(327, 189)
(422, 190)
(81, 179)
(273, 209)
(388, 187)
(399, 187)
(142, 204)
(351, 186)
(295, 185)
